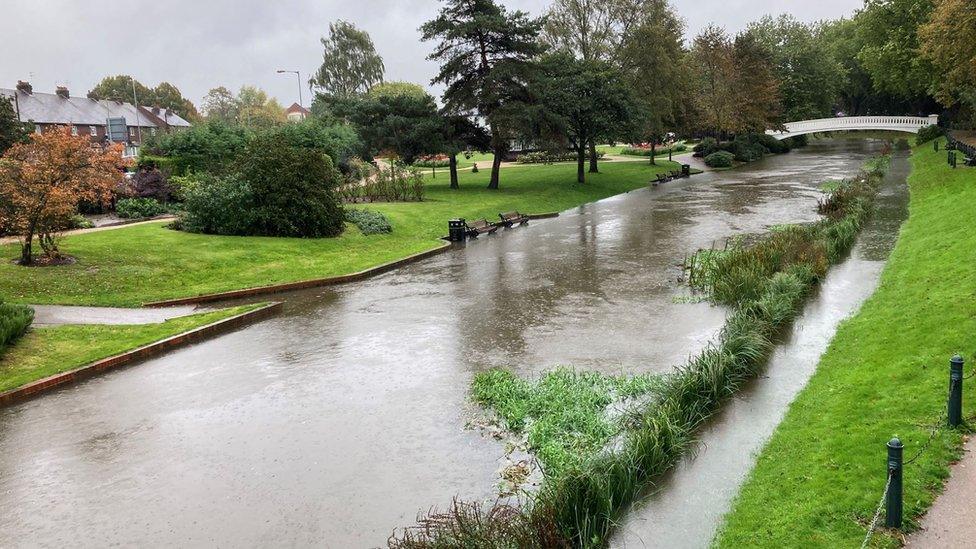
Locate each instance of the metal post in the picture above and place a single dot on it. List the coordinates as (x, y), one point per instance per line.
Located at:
(955, 391)
(893, 503)
(935, 144)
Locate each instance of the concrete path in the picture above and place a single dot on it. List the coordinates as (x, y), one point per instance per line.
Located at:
(54, 315)
(14, 239)
(949, 523)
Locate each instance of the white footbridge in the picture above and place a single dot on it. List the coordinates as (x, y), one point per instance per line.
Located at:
(908, 124)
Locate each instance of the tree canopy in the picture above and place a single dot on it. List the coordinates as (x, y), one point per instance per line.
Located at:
(350, 64)
(165, 95)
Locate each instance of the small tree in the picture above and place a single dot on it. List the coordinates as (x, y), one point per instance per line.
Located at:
(42, 182)
(462, 133)
(350, 64)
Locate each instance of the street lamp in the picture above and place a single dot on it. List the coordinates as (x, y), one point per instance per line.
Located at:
(299, 76)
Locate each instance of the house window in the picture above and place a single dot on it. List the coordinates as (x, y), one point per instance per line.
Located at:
(74, 131)
(132, 131)
(37, 128)
(93, 131)
(152, 131)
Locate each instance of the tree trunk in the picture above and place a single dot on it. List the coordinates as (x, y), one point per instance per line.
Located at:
(593, 158)
(653, 161)
(581, 163)
(26, 257)
(496, 164)
(454, 175)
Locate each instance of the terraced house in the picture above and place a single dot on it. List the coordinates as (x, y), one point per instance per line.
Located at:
(91, 117)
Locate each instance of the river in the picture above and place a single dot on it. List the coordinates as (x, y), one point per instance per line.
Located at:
(344, 417)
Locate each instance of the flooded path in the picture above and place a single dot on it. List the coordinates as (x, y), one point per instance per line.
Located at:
(344, 417)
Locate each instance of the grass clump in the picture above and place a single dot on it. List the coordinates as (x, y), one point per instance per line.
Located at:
(587, 484)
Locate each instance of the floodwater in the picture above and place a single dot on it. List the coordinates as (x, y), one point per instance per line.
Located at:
(686, 508)
(344, 417)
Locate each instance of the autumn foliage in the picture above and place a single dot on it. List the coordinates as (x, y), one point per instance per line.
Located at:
(43, 181)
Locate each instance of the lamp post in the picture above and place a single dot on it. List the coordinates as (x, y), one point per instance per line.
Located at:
(299, 76)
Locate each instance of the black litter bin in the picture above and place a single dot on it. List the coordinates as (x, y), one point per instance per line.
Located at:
(685, 170)
(456, 230)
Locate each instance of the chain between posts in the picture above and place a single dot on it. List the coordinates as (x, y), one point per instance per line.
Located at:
(877, 513)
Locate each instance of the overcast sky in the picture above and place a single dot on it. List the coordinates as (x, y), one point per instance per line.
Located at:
(201, 44)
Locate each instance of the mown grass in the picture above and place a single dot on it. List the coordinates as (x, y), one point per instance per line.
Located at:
(45, 351)
(764, 283)
(133, 265)
(883, 375)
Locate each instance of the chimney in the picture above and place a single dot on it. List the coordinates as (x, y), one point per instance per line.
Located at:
(25, 87)
(62, 92)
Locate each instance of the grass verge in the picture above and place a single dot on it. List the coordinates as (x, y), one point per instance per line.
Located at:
(138, 264)
(46, 351)
(596, 461)
(884, 374)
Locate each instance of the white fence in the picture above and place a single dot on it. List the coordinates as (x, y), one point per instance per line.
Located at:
(909, 124)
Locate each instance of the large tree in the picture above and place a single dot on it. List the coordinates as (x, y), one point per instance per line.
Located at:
(583, 101)
(166, 95)
(756, 87)
(809, 76)
(891, 52)
(350, 64)
(12, 130)
(654, 62)
(948, 41)
(221, 104)
(42, 182)
(257, 109)
(485, 54)
(714, 70)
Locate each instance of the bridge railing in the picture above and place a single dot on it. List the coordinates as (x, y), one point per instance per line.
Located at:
(904, 123)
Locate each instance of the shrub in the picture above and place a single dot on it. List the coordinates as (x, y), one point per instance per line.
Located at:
(928, 133)
(147, 183)
(747, 148)
(902, 145)
(138, 208)
(635, 151)
(79, 221)
(798, 141)
(395, 183)
(14, 321)
(436, 161)
(369, 222)
(474, 168)
(339, 141)
(774, 145)
(706, 147)
(719, 159)
(209, 146)
(276, 190)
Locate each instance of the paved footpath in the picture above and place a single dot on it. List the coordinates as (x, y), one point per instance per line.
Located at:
(949, 523)
(55, 315)
(13, 239)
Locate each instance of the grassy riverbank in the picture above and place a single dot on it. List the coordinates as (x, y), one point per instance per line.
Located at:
(819, 478)
(45, 351)
(133, 265)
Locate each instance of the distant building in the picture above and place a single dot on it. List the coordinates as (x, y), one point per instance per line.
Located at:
(90, 116)
(297, 113)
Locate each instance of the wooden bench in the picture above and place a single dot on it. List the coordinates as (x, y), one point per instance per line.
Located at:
(512, 218)
(479, 227)
(675, 174)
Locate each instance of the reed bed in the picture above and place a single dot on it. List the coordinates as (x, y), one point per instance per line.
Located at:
(764, 283)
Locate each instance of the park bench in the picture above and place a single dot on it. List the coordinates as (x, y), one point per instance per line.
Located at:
(512, 218)
(479, 227)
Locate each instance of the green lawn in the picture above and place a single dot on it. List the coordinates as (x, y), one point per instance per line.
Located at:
(45, 351)
(133, 265)
(819, 478)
